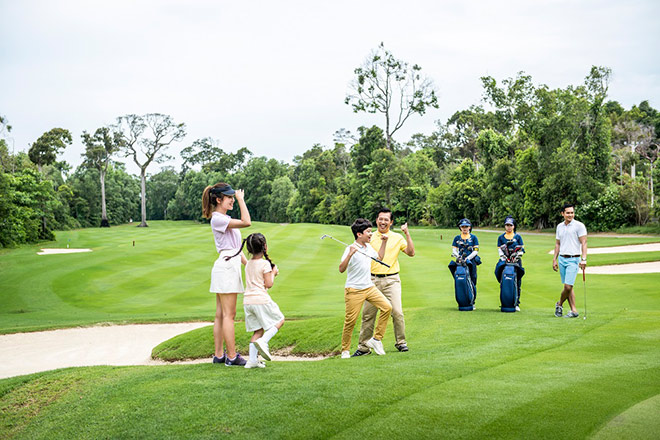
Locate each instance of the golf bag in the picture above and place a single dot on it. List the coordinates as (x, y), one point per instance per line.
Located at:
(509, 289)
(508, 273)
(463, 288)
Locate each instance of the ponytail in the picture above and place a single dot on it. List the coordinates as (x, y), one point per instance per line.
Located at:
(207, 208)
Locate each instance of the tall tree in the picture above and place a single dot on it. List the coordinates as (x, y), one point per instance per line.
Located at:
(392, 87)
(207, 153)
(99, 149)
(162, 188)
(648, 149)
(44, 150)
(145, 139)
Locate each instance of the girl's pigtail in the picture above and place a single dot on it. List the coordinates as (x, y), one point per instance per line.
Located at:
(239, 251)
(272, 265)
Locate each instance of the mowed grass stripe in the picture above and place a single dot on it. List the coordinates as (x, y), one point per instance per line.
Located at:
(514, 386)
(310, 265)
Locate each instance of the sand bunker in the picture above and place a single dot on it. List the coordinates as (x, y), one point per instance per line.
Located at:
(25, 353)
(620, 269)
(51, 251)
(648, 247)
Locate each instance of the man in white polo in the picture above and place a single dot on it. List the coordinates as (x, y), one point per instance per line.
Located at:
(570, 254)
(387, 281)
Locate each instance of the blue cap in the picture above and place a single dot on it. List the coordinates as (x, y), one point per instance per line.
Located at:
(509, 220)
(224, 190)
(464, 222)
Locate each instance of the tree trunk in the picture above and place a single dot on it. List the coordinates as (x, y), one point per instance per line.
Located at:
(388, 138)
(632, 166)
(104, 212)
(651, 181)
(143, 197)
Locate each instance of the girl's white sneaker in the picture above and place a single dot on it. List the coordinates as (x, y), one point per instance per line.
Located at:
(257, 364)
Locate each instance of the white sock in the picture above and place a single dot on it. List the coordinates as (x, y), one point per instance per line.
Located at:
(253, 353)
(269, 333)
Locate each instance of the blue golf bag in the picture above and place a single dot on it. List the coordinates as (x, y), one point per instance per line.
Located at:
(464, 288)
(509, 288)
(508, 272)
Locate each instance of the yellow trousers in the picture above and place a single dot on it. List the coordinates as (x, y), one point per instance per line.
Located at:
(354, 299)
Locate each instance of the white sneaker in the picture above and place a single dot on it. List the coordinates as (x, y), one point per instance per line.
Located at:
(376, 346)
(517, 308)
(257, 364)
(262, 347)
(345, 354)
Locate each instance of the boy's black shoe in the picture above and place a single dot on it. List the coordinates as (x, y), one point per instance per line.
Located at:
(401, 347)
(360, 353)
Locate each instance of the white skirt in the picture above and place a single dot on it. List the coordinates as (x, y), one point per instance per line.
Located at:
(226, 275)
(261, 316)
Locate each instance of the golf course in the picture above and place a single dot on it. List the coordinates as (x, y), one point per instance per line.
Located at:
(480, 374)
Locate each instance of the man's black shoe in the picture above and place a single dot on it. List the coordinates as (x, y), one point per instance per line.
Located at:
(360, 353)
(401, 347)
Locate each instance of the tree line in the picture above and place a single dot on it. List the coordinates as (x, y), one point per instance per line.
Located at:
(524, 151)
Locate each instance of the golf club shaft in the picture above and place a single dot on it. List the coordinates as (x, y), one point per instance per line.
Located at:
(359, 251)
(584, 284)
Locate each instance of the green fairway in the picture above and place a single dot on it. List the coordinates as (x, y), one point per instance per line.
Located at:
(481, 374)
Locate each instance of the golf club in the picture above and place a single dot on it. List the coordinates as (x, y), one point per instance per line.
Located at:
(347, 245)
(584, 283)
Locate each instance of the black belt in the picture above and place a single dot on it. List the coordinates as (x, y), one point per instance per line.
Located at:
(570, 256)
(382, 275)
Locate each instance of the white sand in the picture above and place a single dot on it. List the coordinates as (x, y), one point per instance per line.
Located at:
(620, 269)
(648, 247)
(52, 251)
(25, 353)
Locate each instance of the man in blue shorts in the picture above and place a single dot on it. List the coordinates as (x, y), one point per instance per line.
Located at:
(570, 254)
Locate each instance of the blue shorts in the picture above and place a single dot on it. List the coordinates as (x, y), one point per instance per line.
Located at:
(568, 269)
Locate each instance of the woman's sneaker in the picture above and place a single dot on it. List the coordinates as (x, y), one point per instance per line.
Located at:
(219, 360)
(572, 315)
(238, 361)
(257, 364)
(559, 310)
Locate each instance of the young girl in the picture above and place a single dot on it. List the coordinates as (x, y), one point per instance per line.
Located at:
(226, 281)
(262, 315)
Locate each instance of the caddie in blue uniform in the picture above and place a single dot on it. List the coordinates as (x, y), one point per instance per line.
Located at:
(466, 245)
(512, 240)
(570, 255)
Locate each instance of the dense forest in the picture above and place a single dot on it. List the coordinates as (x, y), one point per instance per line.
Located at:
(524, 151)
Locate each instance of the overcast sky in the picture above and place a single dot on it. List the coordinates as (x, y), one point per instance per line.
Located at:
(272, 75)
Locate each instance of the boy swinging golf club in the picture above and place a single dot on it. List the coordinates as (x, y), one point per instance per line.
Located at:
(356, 261)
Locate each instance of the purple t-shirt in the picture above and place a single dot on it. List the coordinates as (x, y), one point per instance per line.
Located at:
(224, 238)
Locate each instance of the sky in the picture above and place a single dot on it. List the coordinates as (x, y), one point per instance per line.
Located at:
(272, 75)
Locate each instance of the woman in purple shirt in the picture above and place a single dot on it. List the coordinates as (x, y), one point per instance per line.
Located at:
(226, 281)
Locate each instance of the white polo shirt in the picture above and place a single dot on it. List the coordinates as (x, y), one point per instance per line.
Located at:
(358, 272)
(569, 237)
